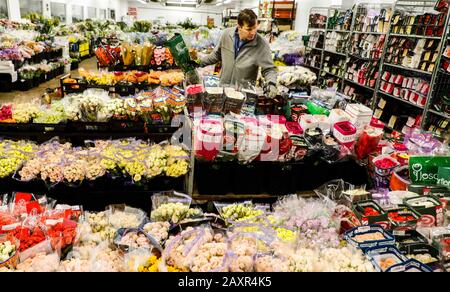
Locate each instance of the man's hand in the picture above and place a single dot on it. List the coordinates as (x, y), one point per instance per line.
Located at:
(194, 63)
(195, 60)
(271, 91)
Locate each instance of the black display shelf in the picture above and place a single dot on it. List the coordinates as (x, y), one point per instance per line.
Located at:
(97, 195)
(274, 178)
(78, 132)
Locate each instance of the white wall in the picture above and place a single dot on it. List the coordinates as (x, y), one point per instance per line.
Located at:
(153, 11)
(120, 6)
(14, 10)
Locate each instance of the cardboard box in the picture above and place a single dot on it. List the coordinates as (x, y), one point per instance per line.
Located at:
(421, 248)
(381, 219)
(351, 235)
(430, 209)
(400, 227)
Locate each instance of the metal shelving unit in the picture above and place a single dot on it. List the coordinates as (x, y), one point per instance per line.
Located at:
(415, 36)
(440, 84)
(331, 27)
(416, 7)
(438, 79)
(400, 99)
(360, 85)
(273, 11)
(323, 11)
(361, 12)
(408, 69)
(336, 53)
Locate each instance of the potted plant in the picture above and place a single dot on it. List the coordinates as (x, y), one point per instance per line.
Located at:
(26, 76)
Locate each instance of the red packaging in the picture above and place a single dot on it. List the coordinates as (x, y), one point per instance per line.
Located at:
(368, 142)
(414, 97)
(294, 128)
(29, 236)
(422, 101)
(398, 79)
(410, 83)
(392, 79)
(390, 88)
(405, 82)
(407, 94)
(386, 76)
(396, 92)
(383, 86)
(209, 139)
(377, 124)
(403, 93)
(425, 88)
(60, 230)
(345, 133)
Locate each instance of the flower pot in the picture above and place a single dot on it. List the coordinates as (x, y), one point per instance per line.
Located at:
(36, 81)
(25, 84)
(74, 66)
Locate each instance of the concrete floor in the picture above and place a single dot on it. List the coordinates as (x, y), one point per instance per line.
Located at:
(35, 94)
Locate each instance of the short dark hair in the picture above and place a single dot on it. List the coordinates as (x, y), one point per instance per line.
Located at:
(247, 16)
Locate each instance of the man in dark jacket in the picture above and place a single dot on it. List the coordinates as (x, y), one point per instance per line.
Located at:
(242, 52)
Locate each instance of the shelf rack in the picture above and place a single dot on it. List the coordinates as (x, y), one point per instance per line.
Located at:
(323, 12)
(438, 78)
(439, 88)
(362, 11)
(332, 26)
(415, 7)
(273, 11)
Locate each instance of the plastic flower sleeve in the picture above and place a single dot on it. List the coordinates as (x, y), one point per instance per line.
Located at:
(9, 256)
(4, 200)
(234, 211)
(368, 141)
(252, 144)
(129, 239)
(122, 216)
(95, 228)
(61, 230)
(180, 249)
(331, 190)
(169, 205)
(30, 234)
(270, 263)
(243, 248)
(105, 259)
(136, 260)
(94, 167)
(93, 104)
(73, 170)
(211, 255)
(251, 98)
(177, 162)
(71, 212)
(424, 143)
(40, 258)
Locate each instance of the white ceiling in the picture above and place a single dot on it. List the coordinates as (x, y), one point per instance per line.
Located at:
(204, 2)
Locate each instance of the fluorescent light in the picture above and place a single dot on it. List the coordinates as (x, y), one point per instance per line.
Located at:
(142, 1)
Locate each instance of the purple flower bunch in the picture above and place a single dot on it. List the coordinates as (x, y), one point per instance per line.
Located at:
(293, 59)
(312, 218)
(11, 54)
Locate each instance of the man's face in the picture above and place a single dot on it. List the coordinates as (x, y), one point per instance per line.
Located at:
(246, 32)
